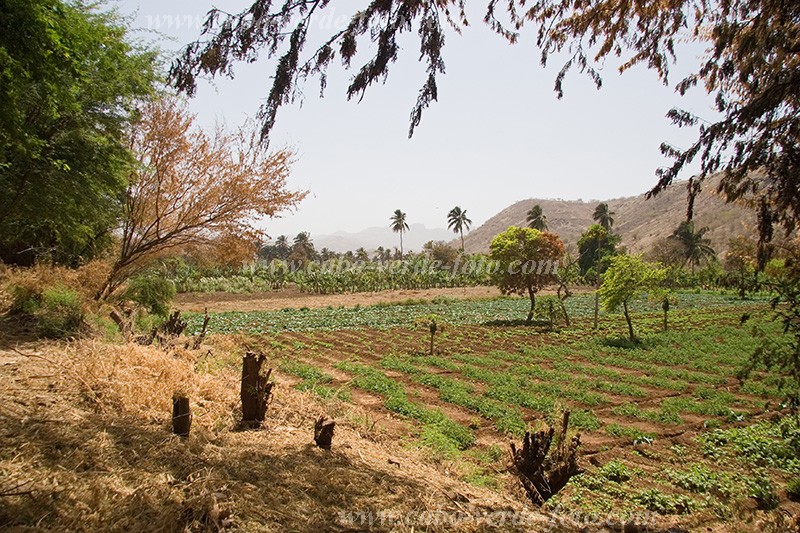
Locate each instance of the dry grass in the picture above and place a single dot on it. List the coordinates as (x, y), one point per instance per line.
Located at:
(87, 446)
(86, 280)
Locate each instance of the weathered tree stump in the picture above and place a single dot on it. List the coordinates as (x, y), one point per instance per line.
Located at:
(256, 390)
(323, 432)
(173, 327)
(198, 340)
(541, 473)
(181, 415)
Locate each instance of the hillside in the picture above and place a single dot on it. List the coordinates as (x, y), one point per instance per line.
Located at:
(639, 221)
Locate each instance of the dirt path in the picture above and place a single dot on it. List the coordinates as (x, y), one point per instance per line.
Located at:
(292, 298)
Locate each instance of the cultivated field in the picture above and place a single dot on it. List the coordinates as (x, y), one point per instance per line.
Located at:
(668, 423)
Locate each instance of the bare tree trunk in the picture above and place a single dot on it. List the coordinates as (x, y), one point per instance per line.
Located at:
(596, 307)
(256, 390)
(181, 415)
(122, 324)
(533, 305)
(628, 320)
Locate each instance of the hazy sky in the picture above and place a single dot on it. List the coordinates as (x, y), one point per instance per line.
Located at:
(497, 135)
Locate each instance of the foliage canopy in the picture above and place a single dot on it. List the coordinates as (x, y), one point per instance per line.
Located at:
(596, 246)
(191, 189)
(627, 277)
(527, 261)
(71, 79)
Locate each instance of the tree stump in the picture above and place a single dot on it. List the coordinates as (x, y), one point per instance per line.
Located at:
(181, 415)
(198, 340)
(323, 432)
(541, 473)
(256, 390)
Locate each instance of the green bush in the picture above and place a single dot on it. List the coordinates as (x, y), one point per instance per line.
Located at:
(152, 292)
(61, 314)
(55, 312)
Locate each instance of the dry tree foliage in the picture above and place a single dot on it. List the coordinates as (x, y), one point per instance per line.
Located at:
(191, 189)
(85, 280)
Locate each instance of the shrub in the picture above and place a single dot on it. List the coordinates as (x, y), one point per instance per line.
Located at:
(54, 312)
(61, 313)
(152, 292)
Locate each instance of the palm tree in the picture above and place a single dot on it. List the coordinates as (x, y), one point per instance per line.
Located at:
(362, 255)
(303, 248)
(696, 246)
(457, 221)
(602, 216)
(282, 247)
(536, 218)
(399, 226)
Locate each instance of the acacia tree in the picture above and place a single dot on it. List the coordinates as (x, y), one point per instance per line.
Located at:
(458, 222)
(192, 189)
(526, 260)
(400, 226)
(536, 218)
(627, 277)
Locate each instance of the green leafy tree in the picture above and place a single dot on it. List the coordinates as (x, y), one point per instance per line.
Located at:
(362, 255)
(442, 252)
(603, 216)
(282, 248)
(627, 277)
(526, 260)
(696, 246)
(781, 353)
(536, 218)
(741, 262)
(596, 246)
(70, 81)
(400, 226)
(432, 323)
(458, 222)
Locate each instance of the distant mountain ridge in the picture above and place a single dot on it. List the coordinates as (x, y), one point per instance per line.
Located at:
(639, 221)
